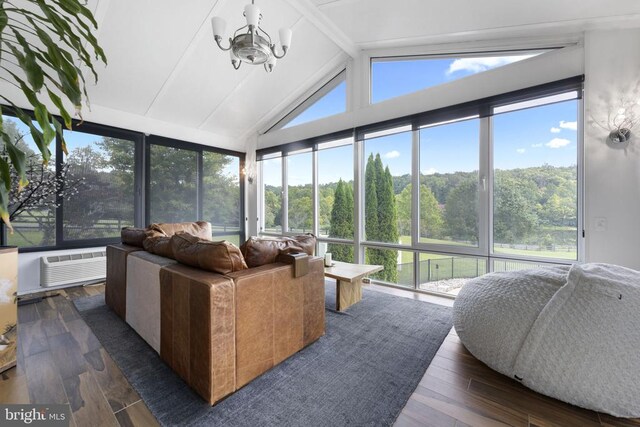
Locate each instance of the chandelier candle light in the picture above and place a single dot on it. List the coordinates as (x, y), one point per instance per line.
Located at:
(253, 46)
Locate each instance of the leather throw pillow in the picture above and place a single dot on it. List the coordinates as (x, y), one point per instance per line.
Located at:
(259, 251)
(200, 229)
(133, 236)
(219, 257)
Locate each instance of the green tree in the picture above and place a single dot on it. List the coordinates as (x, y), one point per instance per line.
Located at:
(342, 222)
(431, 221)
(461, 212)
(514, 218)
(381, 220)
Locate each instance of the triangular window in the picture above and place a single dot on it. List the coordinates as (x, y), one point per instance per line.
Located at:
(392, 77)
(330, 99)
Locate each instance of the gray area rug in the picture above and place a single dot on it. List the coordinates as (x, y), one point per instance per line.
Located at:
(362, 372)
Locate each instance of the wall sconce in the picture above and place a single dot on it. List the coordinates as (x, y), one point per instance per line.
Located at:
(626, 116)
(249, 171)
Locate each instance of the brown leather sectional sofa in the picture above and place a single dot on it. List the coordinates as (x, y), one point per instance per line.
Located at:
(217, 329)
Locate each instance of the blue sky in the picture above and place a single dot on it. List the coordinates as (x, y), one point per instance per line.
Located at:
(523, 138)
(332, 103)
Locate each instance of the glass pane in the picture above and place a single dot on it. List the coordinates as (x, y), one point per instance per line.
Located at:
(221, 195)
(535, 181)
(300, 194)
(515, 265)
(387, 173)
(398, 265)
(33, 210)
(335, 192)
(447, 274)
(449, 164)
(173, 184)
(334, 102)
(272, 194)
(339, 251)
(391, 78)
(103, 169)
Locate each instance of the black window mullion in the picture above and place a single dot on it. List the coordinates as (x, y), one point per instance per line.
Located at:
(140, 203)
(200, 184)
(147, 181)
(59, 199)
(244, 220)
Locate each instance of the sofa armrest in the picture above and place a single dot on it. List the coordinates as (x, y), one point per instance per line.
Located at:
(197, 338)
(115, 293)
(277, 314)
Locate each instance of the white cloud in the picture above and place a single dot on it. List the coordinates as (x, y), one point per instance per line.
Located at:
(521, 150)
(569, 125)
(558, 143)
(477, 65)
(430, 171)
(392, 155)
(536, 145)
(555, 130)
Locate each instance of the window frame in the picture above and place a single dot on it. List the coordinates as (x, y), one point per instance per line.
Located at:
(142, 168)
(483, 109)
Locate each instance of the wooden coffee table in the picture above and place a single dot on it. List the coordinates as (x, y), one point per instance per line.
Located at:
(349, 281)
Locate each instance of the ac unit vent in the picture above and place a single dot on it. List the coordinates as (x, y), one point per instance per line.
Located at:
(73, 268)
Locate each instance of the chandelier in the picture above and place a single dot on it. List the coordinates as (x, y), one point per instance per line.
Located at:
(253, 45)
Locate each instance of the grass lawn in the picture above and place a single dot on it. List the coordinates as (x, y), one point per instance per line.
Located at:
(544, 254)
(407, 256)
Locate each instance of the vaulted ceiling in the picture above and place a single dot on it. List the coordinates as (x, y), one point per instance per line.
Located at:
(165, 66)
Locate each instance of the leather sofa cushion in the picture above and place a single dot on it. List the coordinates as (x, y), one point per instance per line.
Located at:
(200, 229)
(158, 244)
(133, 236)
(220, 257)
(259, 251)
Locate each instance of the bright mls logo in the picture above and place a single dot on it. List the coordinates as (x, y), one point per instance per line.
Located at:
(34, 415)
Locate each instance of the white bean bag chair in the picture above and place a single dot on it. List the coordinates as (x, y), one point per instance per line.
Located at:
(572, 333)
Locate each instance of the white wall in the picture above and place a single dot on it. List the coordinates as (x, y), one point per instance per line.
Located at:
(29, 268)
(612, 181)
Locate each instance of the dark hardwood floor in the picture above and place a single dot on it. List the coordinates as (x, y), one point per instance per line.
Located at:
(61, 361)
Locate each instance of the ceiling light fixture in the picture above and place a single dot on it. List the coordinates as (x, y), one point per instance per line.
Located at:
(253, 46)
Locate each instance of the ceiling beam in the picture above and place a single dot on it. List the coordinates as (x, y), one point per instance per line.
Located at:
(325, 25)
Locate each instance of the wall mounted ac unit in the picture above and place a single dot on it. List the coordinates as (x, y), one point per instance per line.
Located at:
(74, 268)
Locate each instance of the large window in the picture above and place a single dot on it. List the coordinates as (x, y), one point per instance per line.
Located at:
(103, 168)
(299, 193)
(535, 206)
(222, 201)
(387, 173)
(449, 199)
(173, 183)
(272, 195)
(441, 197)
(391, 77)
(336, 198)
(85, 197)
(32, 211)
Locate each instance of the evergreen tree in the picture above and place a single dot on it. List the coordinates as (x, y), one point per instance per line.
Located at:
(381, 218)
(388, 224)
(371, 209)
(342, 222)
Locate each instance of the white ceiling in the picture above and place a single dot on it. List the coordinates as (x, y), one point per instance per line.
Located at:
(165, 66)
